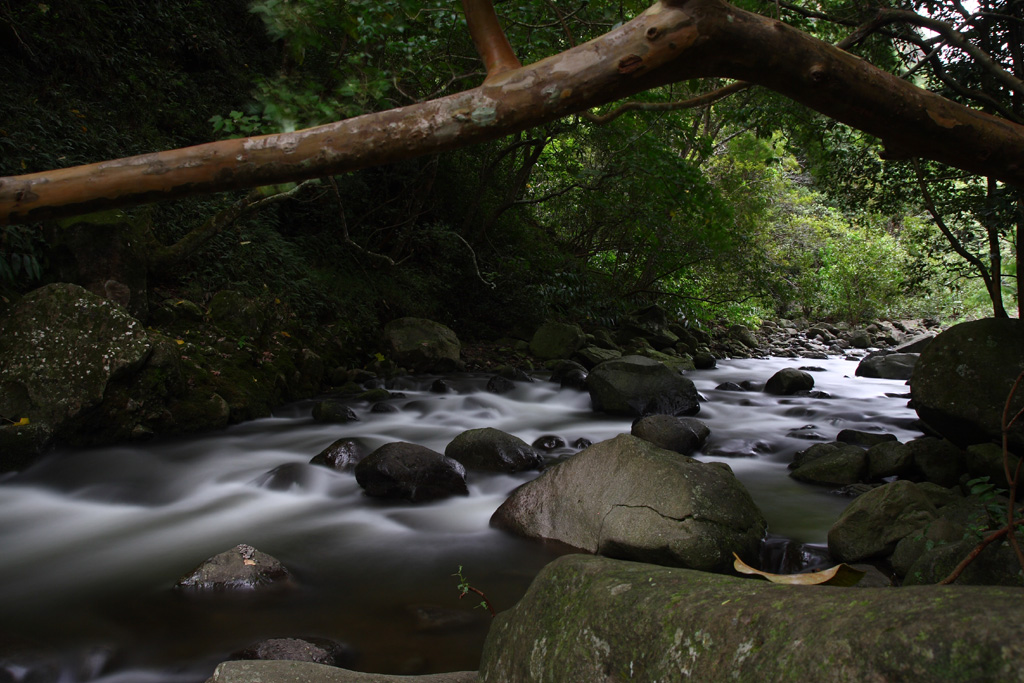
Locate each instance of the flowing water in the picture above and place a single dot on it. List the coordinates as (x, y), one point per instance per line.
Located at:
(91, 541)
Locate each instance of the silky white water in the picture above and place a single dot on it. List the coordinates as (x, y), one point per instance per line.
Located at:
(91, 541)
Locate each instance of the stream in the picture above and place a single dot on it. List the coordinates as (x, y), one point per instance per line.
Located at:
(91, 541)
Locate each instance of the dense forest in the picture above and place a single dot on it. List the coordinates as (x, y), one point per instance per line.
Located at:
(721, 202)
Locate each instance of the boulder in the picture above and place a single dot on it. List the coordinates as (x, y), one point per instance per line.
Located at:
(861, 438)
(309, 672)
(637, 386)
(937, 460)
(743, 335)
(595, 619)
(680, 434)
(888, 366)
(410, 472)
(889, 459)
(332, 411)
(591, 356)
(493, 450)
(789, 381)
(60, 348)
(630, 499)
(318, 650)
(557, 340)
(876, 521)
(422, 345)
(841, 465)
(961, 381)
(984, 460)
(241, 569)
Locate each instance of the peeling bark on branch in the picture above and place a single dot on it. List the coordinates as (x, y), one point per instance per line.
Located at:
(672, 41)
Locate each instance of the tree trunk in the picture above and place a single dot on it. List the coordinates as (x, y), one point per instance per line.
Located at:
(672, 41)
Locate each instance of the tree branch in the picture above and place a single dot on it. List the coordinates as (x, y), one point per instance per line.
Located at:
(692, 103)
(491, 43)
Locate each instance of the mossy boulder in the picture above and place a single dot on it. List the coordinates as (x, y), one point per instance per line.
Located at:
(595, 619)
(962, 379)
(876, 521)
(627, 498)
(557, 340)
(60, 347)
(422, 345)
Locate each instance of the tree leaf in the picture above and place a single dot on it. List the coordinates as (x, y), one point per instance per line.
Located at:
(839, 575)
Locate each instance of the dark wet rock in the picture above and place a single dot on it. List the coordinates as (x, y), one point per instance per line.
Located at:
(410, 472)
(582, 443)
(659, 622)
(743, 335)
(807, 433)
(916, 344)
(422, 345)
(513, 373)
(963, 378)
(859, 339)
(729, 386)
(680, 434)
(831, 463)
(570, 374)
(937, 460)
(865, 439)
(241, 569)
(557, 340)
(60, 348)
(703, 360)
(888, 366)
(750, 385)
(638, 386)
(548, 442)
(500, 385)
(493, 450)
(343, 454)
(627, 498)
(374, 395)
(384, 408)
(285, 477)
(440, 386)
(789, 381)
(332, 411)
(889, 459)
(875, 522)
(317, 650)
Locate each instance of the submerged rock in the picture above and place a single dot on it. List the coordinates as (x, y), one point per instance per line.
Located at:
(241, 569)
(584, 617)
(410, 472)
(318, 650)
(343, 454)
(627, 498)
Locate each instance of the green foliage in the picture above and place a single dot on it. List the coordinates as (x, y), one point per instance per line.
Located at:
(21, 250)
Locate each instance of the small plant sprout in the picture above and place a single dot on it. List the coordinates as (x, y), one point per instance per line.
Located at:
(465, 587)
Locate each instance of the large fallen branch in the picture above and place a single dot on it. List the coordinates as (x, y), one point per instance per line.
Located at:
(672, 41)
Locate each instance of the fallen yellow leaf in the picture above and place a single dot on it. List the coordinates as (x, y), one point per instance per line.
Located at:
(839, 575)
(20, 423)
(179, 341)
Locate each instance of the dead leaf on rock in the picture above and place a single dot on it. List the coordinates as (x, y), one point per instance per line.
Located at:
(839, 575)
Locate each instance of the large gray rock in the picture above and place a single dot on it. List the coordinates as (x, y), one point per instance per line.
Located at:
(308, 672)
(888, 366)
(876, 521)
(422, 345)
(410, 472)
(60, 346)
(628, 498)
(963, 377)
(594, 619)
(493, 450)
(636, 386)
(557, 340)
